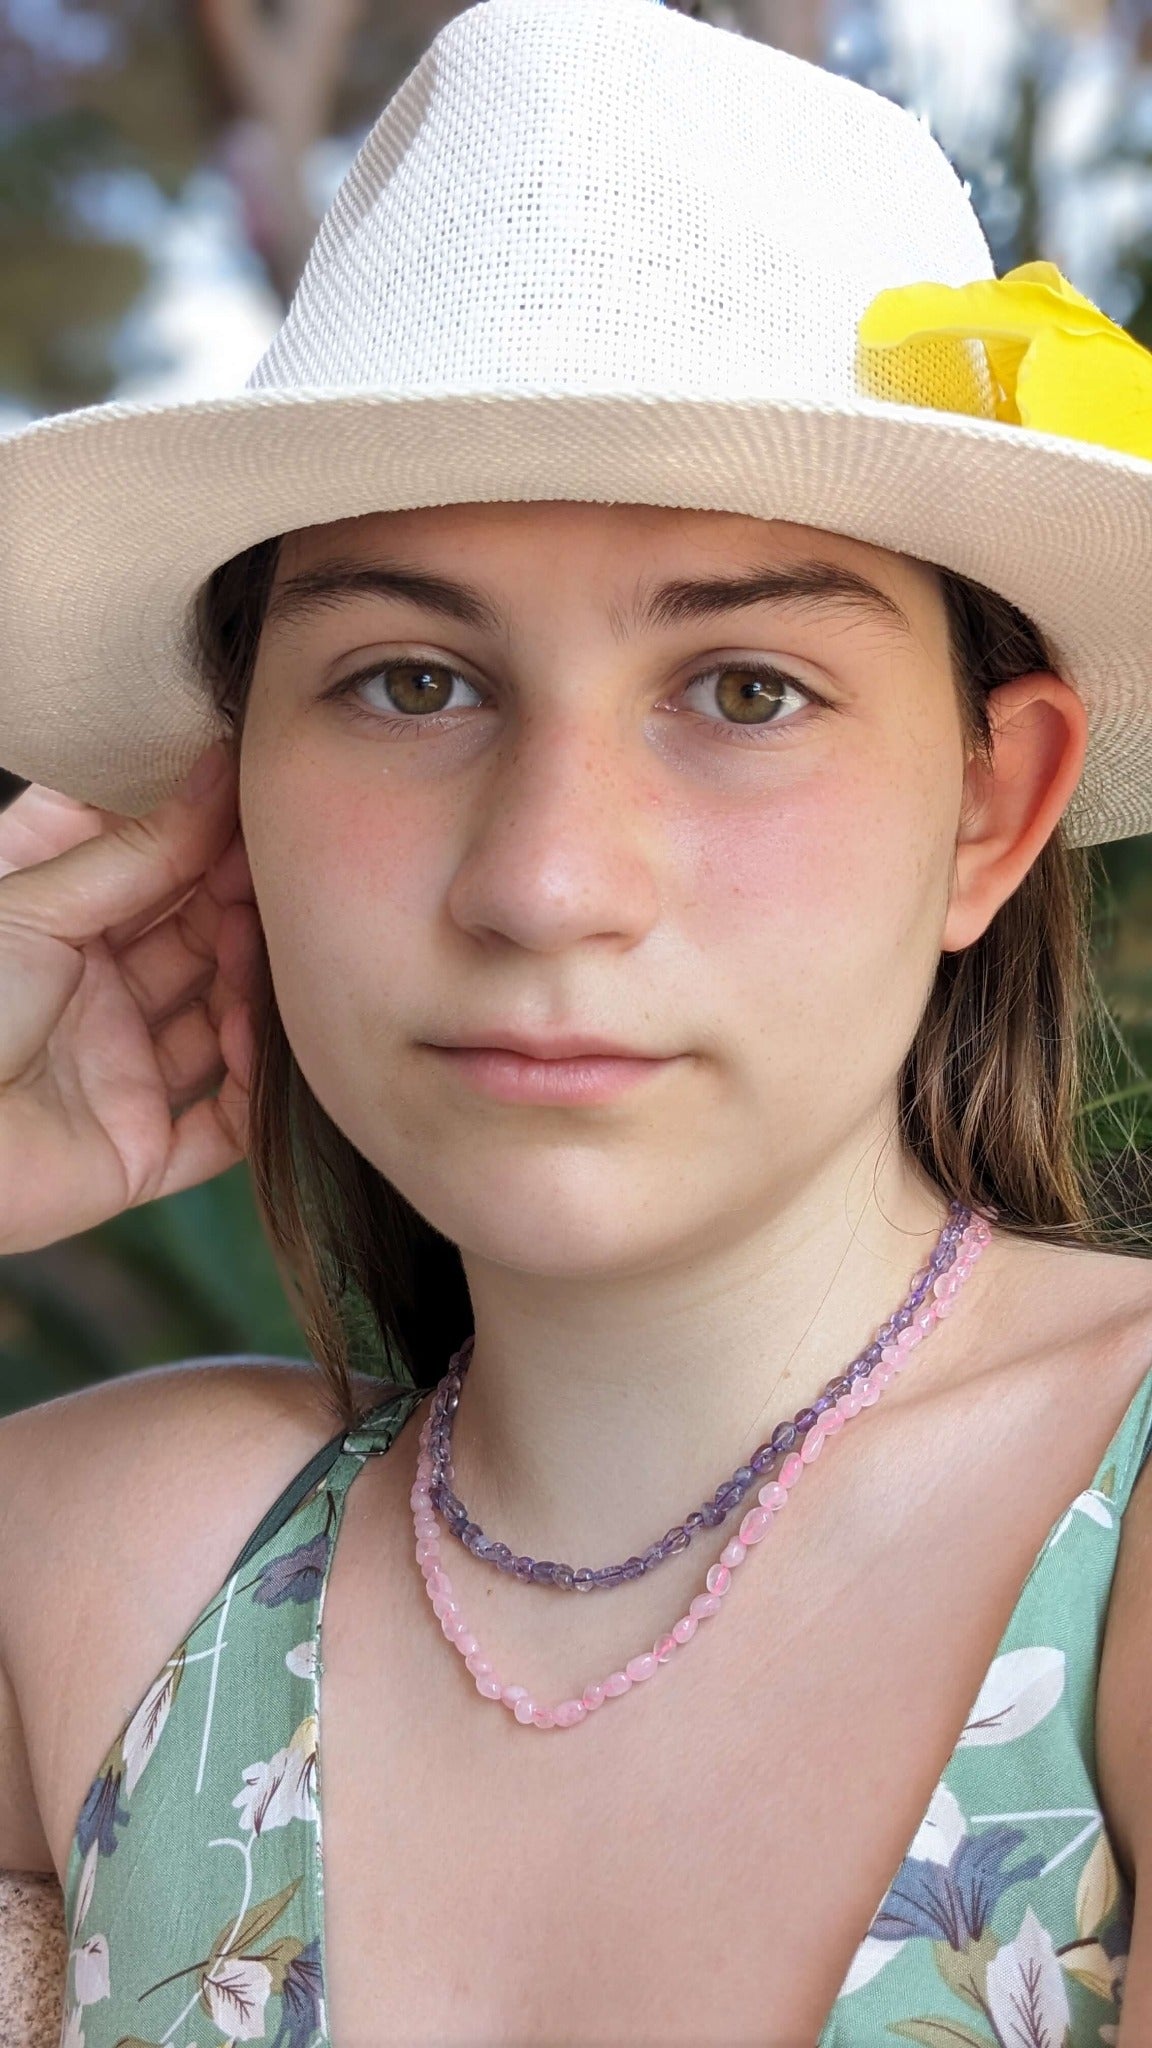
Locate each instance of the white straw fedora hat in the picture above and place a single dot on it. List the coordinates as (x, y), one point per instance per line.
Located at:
(598, 250)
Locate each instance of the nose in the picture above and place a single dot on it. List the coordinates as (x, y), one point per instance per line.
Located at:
(560, 844)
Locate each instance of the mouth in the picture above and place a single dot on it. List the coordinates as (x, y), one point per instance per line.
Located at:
(507, 1075)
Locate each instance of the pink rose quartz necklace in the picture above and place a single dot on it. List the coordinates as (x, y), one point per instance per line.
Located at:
(960, 1244)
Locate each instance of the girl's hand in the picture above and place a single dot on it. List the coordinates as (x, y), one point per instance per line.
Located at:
(132, 967)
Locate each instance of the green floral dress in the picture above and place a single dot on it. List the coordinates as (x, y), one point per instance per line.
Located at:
(194, 1889)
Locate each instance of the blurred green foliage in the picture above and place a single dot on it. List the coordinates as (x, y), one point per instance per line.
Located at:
(191, 1276)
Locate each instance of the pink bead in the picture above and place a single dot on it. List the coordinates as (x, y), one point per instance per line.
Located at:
(479, 1666)
(523, 1709)
(466, 1643)
(755, 1525)
(944, 1308)
(733, 1554)
(869, 1395)
(454, 1627)
(909, 1338)
(719, 1578)
(642, 1666)
(849, 1405)
(427, 1552)
(489, 1685)
(442, 1607)
(882, 1375)
(833, 1420)
(664, 1647)
(511, 1693)
(943, 1287)
(891, 1355)
(813, 1445)
(791, 1469)
(593, 1697)
(702, 1606)
(924, 1318)
(685, 1628)
(543, 1717)
(616, 1683)
(441, 1583)
(569, 1712)
(773, 1495)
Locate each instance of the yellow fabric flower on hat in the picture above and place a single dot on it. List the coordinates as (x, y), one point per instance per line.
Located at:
(1057, 362)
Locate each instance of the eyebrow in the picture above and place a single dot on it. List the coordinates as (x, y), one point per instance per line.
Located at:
(814, 585)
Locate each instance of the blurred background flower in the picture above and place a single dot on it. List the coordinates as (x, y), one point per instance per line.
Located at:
(163, 168)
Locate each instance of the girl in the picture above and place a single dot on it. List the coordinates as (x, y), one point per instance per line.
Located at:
(670, 649)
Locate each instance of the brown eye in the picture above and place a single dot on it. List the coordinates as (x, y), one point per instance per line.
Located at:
(751, 696)
(418, 686)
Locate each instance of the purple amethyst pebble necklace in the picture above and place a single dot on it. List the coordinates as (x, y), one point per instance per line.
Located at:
(960, 1244)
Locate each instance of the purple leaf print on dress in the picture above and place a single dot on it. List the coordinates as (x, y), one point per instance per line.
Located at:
(302, 2008)
(297, 1575)
(952, 1901)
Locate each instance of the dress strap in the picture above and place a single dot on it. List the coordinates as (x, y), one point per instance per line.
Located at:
(376, 1431)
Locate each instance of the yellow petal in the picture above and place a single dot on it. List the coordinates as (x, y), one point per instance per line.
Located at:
(1096, 388)
(1057, 362)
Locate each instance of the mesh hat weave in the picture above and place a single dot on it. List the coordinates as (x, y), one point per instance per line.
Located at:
(594, 250)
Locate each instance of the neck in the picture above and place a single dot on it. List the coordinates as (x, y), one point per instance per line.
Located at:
(597, 1412)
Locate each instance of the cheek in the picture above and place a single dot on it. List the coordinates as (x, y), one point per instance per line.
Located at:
(348, 893)
(824, 906)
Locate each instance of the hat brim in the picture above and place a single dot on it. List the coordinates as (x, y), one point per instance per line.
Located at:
(114, 515)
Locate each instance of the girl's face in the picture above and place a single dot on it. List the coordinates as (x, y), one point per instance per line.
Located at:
(595, 794)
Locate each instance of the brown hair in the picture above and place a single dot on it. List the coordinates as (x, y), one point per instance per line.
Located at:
(992, 1099)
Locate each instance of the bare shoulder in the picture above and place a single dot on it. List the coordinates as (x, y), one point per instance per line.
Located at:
(122, 1507)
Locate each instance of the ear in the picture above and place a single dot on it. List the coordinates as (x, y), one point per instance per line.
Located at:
(1012, 807)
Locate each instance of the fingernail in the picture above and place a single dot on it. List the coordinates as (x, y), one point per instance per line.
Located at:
(204, 772)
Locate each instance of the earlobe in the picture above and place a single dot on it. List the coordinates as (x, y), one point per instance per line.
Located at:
(1013, 804)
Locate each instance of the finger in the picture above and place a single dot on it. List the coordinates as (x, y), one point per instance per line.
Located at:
(242, 961)
(166, 968)
(206, 1140)
(124, 873)
(188, 1055)
(238, 1044)
(225, 880)
(40, 823)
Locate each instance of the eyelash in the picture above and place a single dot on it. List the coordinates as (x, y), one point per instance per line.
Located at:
(731, 733)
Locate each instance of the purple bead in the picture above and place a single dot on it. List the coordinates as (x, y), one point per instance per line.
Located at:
(501, 1554)
(784, 1436)
(762, 1458)
(544, 1570)
(712, 1516)
(609, 1575)
(523, 1567)
(632, 1567)
(822, 1404)
(675, 1540)
(653, 1555)
(806, 1419)
(583, 1580)
(729, 1497)
(742, 1477)
(565, 1576)
(696, 1520)
(836, 1387)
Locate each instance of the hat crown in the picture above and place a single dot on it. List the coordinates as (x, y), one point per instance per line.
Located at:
(608, 195)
